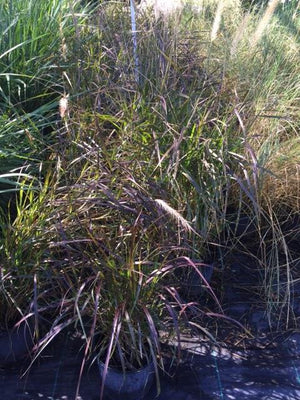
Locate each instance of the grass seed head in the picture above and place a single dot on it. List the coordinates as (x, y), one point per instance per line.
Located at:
(63, 106)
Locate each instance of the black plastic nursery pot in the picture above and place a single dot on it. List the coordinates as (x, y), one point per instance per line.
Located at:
(128, 385)
(15, 343)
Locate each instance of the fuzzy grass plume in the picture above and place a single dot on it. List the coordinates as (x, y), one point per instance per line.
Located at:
(264, 22)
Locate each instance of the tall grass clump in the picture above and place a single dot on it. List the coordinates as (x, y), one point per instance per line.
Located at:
(257, 55)
(23, 250)
(151, 175)
(32, 57)
(208, 121)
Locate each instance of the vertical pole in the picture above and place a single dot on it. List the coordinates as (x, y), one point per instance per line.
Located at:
(134, 40)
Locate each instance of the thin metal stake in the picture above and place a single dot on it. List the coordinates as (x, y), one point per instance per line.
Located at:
(134, 40)
(221, 391)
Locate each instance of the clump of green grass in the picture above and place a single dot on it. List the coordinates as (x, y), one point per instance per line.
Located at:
(22, 250)
(32, 57)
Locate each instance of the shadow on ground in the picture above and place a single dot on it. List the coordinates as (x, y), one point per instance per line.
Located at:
(264, 369)
(207, 373)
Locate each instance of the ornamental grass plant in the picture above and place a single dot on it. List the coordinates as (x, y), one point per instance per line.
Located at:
(32, 62)
(21, 253)
(140, 178)
(118, 256)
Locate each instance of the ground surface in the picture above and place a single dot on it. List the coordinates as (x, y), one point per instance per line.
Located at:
(261, 374)
(266, 367)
